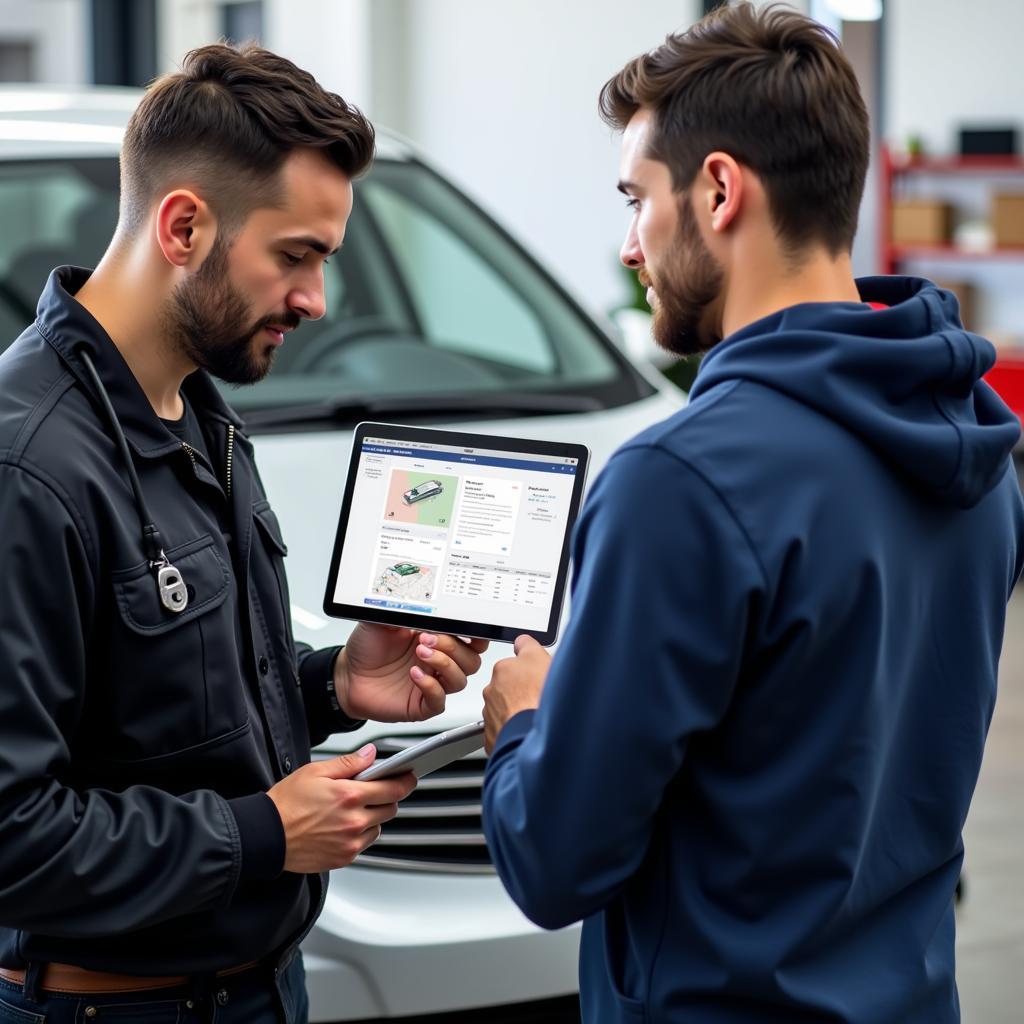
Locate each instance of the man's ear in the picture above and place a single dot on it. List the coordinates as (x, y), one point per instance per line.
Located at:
(185, 228)
(720, 190)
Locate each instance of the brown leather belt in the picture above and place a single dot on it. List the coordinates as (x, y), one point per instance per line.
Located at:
(71, 978)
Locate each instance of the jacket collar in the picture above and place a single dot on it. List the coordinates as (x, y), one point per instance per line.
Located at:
(68, 326)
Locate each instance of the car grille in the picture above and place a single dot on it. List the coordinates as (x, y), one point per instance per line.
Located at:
(439, 826)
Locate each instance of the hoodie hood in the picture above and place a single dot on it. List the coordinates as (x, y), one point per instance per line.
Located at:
(906, 379)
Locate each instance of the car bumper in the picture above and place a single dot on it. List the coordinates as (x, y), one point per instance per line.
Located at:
(396, 943)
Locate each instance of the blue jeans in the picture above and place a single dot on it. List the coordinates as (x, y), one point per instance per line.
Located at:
(249, 998)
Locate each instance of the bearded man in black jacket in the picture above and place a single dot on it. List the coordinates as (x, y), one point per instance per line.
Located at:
(163, 834)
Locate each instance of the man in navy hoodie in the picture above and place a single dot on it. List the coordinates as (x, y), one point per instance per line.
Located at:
(754, 752)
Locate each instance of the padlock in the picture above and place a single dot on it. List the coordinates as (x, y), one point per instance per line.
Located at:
(173, 592)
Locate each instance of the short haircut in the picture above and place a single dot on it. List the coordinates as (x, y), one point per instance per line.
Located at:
(224, 125)
(771, 88)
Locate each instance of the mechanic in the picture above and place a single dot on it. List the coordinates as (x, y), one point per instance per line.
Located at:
(164, 836)
(756, 745)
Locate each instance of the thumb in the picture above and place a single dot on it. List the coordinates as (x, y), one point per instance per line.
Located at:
(347, 765)
(525, 644)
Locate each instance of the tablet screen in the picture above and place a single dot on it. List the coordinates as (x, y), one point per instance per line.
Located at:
(456, 532)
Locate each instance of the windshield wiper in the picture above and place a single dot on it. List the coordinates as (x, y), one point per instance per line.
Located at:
(349, 410)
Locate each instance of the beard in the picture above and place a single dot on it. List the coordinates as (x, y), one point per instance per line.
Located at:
(689, 283)
(203, 318)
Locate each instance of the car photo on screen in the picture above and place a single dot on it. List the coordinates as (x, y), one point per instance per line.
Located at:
(428, 490)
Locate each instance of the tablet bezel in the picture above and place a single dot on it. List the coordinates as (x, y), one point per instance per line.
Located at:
(466, 439)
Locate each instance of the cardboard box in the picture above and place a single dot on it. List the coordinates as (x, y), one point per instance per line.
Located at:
(1008, 219)
(966, 296)
(921, 222)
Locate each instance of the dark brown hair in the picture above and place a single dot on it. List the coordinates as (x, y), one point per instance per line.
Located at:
(771, 88)
(225, 123)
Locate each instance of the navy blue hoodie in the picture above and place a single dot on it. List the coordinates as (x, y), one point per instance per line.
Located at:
(759, 737)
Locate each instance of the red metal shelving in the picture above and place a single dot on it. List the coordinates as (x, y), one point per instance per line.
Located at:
(957, 164)
(1007, 376)
(953, 252)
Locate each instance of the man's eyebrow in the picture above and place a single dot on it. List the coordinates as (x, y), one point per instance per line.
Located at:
(312, 243)
(625, 187)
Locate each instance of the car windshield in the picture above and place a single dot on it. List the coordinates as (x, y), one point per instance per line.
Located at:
(430, 306)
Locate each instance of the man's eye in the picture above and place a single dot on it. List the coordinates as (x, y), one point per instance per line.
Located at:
(291, 259)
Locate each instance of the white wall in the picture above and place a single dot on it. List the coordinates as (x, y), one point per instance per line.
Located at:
(57, 31)
(183, 25)
(949, 61)
(504, 98)
(329, 38)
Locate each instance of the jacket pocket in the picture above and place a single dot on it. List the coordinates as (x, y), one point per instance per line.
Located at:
(174, 678)
(266, 520)
(619, 966)
(137, 1011)
(205, 576)
(10, 1014)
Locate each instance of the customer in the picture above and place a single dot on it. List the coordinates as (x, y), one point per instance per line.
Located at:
(757, 743)
(162, 834)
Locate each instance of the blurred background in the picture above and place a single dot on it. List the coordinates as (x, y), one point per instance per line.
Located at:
(502, 98)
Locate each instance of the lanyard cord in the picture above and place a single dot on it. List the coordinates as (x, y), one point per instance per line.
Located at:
(150, 534)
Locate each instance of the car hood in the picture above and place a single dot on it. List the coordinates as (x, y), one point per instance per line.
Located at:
(304, 475)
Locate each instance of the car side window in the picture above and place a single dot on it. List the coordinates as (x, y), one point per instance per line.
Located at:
(53, 212)
(462, 301)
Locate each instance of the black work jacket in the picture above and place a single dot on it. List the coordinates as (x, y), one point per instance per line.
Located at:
(135, 830)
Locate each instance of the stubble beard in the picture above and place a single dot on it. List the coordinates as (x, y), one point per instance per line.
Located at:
(688, 284)
(202, 320)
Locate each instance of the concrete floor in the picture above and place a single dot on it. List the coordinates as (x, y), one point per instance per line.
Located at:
(990, 921)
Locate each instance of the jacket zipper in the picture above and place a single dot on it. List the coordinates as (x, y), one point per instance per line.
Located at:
(191, 453)
(227, 467)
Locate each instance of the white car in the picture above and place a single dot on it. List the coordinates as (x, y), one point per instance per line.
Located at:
(435, 316)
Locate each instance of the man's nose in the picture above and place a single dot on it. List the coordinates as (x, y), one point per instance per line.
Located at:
(308, 302)
(631, 254)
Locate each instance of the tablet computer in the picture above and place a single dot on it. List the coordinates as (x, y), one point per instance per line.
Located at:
(456, 532)
(428, 755)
